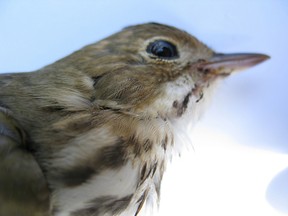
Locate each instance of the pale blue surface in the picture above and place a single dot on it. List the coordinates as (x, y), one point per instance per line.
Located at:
(252, 106)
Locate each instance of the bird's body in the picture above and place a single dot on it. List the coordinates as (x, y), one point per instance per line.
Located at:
(92, 133)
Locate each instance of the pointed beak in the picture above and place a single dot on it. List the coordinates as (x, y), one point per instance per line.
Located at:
(225, 64)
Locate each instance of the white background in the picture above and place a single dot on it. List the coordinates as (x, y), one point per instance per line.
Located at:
(239, 165)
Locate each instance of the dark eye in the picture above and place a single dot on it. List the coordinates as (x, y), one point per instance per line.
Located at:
(162, 49)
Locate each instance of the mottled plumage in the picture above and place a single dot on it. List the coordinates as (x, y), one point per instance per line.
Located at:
(91, 134)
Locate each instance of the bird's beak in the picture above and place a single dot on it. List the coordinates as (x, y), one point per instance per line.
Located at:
(225, 64)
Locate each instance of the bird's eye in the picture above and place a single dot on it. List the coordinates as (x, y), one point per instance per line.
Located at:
(162, 49)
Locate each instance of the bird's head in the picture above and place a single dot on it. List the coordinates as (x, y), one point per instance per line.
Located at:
(155, 70)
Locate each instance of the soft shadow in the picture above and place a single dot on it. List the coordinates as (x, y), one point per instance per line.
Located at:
(277, 191)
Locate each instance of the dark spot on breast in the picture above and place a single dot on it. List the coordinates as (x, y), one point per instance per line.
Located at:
(182, 108)
(186, 101)
(136, 145)
(75, 176)
(112, 156)
(139, 146)
(164, 143)
(200, 97)
(147, 145)
(109, 157)
(141, 202)
(154, 168)
(147, 171)
(143, 171)
(111, 205)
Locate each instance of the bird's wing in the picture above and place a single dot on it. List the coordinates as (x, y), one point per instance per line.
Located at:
(23, 189)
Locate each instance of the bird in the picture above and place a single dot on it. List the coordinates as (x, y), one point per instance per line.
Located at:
(92, 133)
